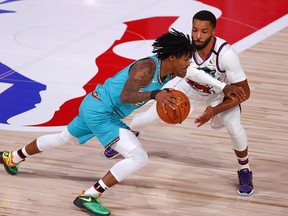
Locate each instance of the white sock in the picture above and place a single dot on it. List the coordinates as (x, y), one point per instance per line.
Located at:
(15, 156)
(92, 191)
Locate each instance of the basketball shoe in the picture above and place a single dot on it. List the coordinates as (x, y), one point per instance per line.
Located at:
(9, 165)
(91, 204)
(245, 182)
(110, 153)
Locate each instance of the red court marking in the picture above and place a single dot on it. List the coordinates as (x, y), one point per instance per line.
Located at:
(242, 18)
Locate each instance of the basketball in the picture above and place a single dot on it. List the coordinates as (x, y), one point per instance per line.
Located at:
(181, 111)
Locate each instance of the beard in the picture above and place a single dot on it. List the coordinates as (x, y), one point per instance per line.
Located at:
(200, 47)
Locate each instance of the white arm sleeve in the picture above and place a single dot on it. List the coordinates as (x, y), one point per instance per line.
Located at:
(201, 77)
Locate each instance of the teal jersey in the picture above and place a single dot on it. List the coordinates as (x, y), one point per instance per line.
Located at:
(110, 91)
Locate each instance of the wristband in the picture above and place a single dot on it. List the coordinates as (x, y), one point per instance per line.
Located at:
(154, 93)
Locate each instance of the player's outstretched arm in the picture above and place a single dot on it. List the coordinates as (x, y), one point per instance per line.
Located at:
(230, 91)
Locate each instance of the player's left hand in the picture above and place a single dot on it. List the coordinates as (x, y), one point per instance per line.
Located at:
(205, 117)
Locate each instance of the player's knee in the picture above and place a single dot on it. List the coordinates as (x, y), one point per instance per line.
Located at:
(235, 128)
(130, 148)
(49, 141)
(238, 137)
(139, 156)
(134, 160)
(54, 140)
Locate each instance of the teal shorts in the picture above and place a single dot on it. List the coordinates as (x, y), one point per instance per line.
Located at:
(96, 119)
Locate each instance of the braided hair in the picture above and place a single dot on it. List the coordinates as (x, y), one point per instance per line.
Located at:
(172, 43)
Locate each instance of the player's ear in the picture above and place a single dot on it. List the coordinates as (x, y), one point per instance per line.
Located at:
(172, 57)
(213, 31)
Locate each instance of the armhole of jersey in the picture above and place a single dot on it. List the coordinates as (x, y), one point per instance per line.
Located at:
(217, 57)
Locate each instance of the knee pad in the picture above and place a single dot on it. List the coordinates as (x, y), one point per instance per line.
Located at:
(135, 155)
(139, 157)
(53, 140)
(127, 142)
(134, 160)
(231, 120)
(67, 137)
(238, 136)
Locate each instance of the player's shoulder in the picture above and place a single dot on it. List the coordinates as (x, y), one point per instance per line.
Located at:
(145, 65)
(221, 43)
(222, 47)
(147, 61)
(220, 40)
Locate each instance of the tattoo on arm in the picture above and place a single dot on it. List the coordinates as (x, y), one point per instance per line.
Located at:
(141, 74)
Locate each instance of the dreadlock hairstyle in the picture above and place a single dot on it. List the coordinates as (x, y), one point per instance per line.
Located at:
(205, 15)
(172, 43)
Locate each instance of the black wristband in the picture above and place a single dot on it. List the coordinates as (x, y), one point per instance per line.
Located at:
(154, 93)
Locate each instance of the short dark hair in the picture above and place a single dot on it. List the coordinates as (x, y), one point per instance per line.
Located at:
(172, 43)
(205, 15)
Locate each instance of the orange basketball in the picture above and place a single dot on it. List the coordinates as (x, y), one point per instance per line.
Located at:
(181, 111)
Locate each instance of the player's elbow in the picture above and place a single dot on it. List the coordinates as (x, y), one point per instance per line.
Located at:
(247, 92)
(247, 95)
(245, 86)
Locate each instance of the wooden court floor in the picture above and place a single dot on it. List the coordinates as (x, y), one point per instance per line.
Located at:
(192, 171)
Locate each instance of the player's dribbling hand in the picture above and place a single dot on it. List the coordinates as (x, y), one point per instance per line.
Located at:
(166, 99)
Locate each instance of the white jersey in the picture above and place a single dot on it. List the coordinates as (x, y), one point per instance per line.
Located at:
(222, 63)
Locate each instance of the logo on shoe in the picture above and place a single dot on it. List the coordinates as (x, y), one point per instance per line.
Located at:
(86, 199)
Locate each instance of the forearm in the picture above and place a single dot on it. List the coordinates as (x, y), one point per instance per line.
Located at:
(201, 77)
(132, 97)
(225, 105)
(140, 97)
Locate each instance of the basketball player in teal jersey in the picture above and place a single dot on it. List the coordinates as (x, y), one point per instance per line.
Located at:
(101, 113)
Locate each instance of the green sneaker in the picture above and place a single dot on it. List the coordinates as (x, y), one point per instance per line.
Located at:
(9, 165)
(91, 204)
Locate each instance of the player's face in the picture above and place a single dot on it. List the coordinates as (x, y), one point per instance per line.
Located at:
(180, 65)
(202, 32)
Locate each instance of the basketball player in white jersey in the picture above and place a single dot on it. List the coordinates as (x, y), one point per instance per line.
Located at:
(217, 58)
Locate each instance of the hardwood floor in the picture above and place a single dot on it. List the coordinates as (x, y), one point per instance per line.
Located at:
(191, 171)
